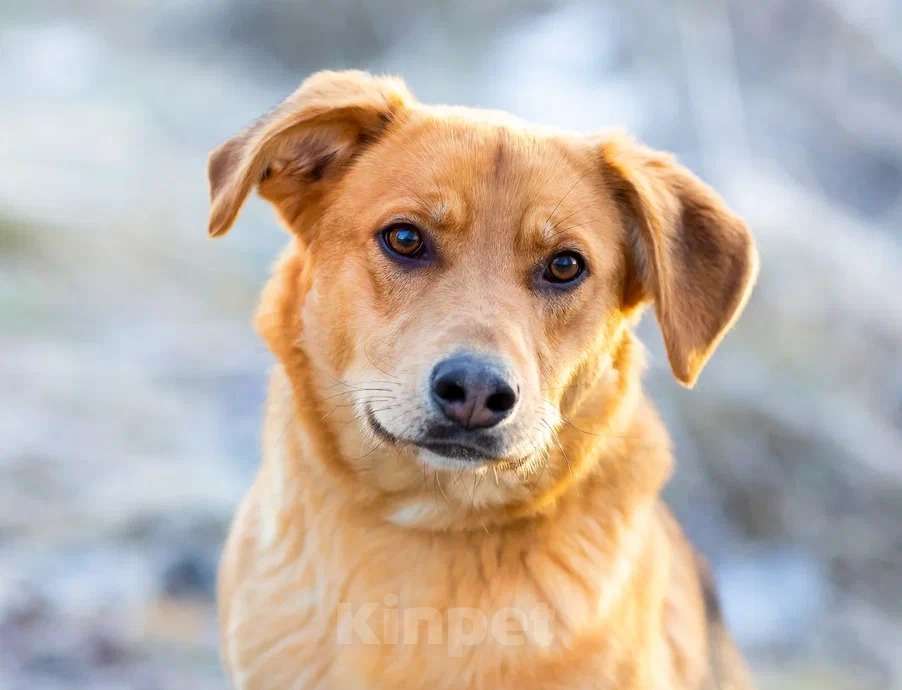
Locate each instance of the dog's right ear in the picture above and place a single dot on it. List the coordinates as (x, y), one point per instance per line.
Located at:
(306, 140)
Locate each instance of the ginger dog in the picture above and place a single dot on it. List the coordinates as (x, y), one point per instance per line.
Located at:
(461, 476)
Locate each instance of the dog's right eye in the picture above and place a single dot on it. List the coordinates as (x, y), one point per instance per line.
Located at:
(403, 241)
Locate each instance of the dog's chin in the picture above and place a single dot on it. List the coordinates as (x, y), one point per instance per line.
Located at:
(444, 449)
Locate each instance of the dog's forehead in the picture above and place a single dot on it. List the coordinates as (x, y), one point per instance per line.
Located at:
(460, 167)
(463, 145)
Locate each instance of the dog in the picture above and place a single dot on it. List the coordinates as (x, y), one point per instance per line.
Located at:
(460, 483)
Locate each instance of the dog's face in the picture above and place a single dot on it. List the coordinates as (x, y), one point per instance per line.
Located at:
(474, 268)
(464, 273)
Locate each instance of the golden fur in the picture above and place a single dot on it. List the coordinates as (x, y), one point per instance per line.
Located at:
(570, 521)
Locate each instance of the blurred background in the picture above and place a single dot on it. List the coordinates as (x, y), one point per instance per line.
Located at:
(131, 382)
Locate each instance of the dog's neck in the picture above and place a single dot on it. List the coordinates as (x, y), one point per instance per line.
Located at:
(609, 443)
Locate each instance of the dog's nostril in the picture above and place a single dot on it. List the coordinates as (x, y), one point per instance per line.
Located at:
(501, 401)
(451, 391)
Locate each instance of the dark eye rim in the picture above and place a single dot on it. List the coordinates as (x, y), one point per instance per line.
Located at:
(423, 255)
(548, 281)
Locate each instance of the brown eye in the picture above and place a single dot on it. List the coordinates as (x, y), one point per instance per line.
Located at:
(404, 240)
(564, 268)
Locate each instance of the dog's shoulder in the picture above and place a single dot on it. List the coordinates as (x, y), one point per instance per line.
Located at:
(704, 654)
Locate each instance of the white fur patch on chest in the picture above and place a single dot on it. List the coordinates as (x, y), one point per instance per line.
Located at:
(414, 513)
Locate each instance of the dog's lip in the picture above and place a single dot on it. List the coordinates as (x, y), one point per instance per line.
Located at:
(456, 451)
(448, 449)
(380, 430)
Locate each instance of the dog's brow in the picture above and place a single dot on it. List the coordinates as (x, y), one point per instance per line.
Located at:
(439, 208)
(438, 211)
(432, 209)
(550, 231)
(547, 232)
(538, 235)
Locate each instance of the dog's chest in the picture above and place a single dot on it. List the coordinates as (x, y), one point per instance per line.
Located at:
(334, 608)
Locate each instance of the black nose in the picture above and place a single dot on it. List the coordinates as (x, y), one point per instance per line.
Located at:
(472, 392)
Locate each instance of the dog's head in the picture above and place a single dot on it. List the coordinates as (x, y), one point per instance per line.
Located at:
(464, 274)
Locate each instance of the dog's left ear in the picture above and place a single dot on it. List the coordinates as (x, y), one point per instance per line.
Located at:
(306, 140)
(690, 254)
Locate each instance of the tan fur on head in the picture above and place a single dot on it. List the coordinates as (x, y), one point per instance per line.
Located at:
(353, 507)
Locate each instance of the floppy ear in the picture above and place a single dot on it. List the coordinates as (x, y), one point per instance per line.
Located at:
(691, 255)
(309, 137)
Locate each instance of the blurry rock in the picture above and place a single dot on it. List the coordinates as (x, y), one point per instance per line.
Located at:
(22, 608)
(57, 665)
(189, 576)
(102, 649)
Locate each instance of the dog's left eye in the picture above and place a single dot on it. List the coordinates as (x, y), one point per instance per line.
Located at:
(404, 241)
(564, 268)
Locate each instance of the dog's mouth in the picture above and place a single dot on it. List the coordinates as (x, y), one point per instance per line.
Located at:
(456, 451)
(443, 441)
